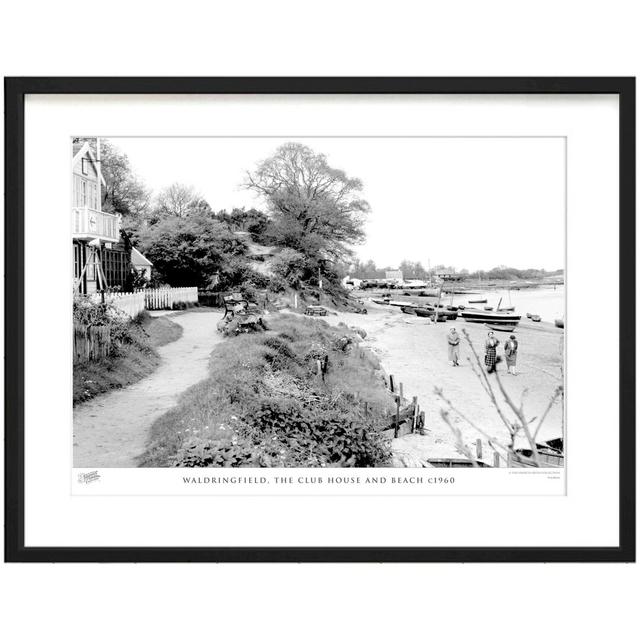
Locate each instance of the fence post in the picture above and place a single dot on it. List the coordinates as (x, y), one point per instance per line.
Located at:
(391, 387)
(401, 389)
(479, 449)
(496, 459)
(397, 426)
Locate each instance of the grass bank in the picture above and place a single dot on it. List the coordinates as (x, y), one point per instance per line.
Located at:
(131, 362)
(265, 404)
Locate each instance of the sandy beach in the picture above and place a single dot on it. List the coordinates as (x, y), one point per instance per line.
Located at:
(415, 352)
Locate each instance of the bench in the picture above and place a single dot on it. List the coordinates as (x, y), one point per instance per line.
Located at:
(234, 303)
(315, 310)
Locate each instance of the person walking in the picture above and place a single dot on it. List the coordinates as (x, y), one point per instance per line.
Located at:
(511, 352)
(490, 357)
(454, 347)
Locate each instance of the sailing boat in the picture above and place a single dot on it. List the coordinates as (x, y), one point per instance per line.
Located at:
(503, 317)
(510, 307)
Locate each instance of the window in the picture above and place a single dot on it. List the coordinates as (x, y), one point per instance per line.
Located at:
(85, 166)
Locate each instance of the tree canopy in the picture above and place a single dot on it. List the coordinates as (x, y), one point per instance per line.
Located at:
(189, 251)
(315, 209)
(124, 193)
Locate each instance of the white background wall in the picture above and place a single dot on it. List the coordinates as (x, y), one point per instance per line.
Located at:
(325, 38)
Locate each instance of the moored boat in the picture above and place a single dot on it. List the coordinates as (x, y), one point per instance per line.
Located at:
(536, 318)
(479, 301)
(560, 324)
(380, 300)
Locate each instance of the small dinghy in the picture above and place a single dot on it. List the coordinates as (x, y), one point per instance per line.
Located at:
(479, 301)
(529, 316)
(536, 318)
(560, 324)
(410, 310)
(500, 327)
(488, 308)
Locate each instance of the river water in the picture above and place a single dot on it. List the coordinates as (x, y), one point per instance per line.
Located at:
(547, 302)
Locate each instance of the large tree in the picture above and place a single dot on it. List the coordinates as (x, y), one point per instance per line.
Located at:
(315, 209)
(125, 193)
(179, 201)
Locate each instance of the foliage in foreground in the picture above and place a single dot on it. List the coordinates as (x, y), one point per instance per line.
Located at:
(263, 404)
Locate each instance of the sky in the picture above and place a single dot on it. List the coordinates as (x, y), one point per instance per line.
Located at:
(472, 203)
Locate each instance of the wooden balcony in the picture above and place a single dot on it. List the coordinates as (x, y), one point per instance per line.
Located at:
(89, 224)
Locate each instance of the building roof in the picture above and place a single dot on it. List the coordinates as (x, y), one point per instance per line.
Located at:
(139, 260)
(79, 152)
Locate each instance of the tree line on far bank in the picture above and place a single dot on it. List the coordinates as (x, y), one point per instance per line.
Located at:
(415, 270)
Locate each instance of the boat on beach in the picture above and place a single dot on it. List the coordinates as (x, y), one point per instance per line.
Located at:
(411, 310)
(479, 301)
(490, 317)
(559, 323)
(501, 327)
(425, 312)
(536, 318)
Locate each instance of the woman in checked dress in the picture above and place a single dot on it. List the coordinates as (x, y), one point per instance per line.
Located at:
(490, 357)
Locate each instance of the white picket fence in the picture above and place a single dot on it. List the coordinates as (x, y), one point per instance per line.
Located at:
(135, 303)
(168, 297)
(131, 303)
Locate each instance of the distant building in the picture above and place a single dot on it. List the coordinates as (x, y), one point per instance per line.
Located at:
(447, 274)
(351, 283)
(393, 275)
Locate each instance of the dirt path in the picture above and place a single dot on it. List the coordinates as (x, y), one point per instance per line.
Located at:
(111, 430)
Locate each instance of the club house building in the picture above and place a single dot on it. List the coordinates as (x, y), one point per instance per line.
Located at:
(99, 257)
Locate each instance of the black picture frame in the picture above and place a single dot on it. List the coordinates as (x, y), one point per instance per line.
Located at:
(15, 91)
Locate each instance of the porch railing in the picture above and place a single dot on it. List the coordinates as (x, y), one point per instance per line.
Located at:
(89, 223)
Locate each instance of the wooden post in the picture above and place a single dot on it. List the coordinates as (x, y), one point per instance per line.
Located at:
(414, 420)
(397, 429)
(366, 409)
(479, 449)
(391, 386)
(401, 388)
(496, 459)
(319, 367)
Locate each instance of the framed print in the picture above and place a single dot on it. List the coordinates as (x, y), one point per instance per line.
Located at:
(320, 319)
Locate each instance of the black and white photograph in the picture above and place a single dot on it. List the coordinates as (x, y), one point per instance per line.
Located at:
(359, 314)
(319, 302)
